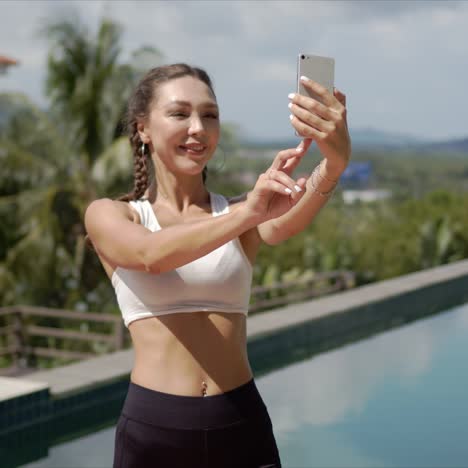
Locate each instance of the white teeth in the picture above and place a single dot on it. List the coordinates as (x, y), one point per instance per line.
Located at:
(195, 148)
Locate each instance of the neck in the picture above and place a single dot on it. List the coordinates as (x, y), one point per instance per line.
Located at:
(180, 192)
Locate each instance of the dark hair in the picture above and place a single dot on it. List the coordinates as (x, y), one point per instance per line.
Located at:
(138, 108)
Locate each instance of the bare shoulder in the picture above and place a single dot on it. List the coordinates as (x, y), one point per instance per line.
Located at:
(104, 204)
(116, 233)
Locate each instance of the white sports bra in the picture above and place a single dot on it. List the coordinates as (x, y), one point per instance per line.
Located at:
(219, 281)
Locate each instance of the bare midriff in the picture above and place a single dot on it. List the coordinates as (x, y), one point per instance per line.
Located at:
(191, 353)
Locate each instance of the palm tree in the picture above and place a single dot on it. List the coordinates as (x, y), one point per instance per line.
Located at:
(55, 163)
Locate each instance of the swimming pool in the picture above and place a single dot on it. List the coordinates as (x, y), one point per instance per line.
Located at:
(397, 399)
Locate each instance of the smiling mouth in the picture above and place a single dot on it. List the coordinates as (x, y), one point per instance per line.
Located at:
(196, 150)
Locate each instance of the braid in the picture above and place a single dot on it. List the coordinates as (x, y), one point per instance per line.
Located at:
(137, 108)
(140, 160)
(141, 176)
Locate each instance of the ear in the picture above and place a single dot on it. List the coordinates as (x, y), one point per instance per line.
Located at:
(143, 132)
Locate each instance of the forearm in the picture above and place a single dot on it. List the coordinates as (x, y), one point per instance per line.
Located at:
(180, 244)
(303, 213)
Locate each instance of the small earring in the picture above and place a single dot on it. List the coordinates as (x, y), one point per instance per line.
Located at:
(143, 149)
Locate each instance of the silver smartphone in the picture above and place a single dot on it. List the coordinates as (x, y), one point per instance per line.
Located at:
(320, 69)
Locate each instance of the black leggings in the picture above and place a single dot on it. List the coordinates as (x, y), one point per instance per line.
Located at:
(228, 430)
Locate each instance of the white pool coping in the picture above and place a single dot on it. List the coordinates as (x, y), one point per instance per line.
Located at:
(115, 366)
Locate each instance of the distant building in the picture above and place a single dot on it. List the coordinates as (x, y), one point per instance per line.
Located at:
(357, 173)
(6, 62)
(366, 196)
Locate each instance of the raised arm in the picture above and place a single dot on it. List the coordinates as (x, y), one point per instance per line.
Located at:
(133, 246)
(129, 245)
(326, 124)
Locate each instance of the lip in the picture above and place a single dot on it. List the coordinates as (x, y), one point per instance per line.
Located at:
(195, 148)
(193, 145)
(189, 150)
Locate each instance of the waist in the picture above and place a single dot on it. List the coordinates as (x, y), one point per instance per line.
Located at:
(187, 412)
(190, 380)
(176, 353)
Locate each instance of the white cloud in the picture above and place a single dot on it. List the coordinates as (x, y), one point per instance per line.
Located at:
(329, 388)
(392, 58)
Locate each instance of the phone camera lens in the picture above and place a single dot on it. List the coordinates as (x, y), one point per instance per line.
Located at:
(302, 57)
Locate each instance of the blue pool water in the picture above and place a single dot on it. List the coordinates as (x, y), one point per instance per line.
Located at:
(398, 399)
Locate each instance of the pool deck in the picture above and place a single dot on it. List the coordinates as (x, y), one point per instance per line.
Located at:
(390, 302)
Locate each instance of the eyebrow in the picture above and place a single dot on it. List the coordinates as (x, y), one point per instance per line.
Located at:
(186, 103)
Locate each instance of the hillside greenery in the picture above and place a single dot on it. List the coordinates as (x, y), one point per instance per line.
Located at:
(56, 161)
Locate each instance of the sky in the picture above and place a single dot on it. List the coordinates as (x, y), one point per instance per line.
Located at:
(402, 65)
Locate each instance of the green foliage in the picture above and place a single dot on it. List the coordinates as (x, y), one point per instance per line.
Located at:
(377, 240)
(87, 86)
(55, 162)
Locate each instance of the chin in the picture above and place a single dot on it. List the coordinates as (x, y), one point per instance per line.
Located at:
(193, 169)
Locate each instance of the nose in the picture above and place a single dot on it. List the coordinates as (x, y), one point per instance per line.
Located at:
(196, 125)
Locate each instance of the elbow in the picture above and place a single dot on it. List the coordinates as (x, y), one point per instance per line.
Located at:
(273, 241)
(157, 258)
(271, 234)
(278, 236)
(152, 269)
(151, 266)
(274, 238)
(149, 263)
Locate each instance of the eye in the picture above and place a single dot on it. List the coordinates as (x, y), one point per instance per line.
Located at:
(178, 114)
(212, 116)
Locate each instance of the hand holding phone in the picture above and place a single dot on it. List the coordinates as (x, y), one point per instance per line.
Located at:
(317, 68)
(326, 125)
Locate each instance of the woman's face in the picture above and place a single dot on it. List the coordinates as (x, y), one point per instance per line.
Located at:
(183, 125)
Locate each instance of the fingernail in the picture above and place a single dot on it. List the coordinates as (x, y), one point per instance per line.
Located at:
(297, 188)
(288, 190)
(290, 105)
(290, 116)
(291, 95)
(300, 147)
(304, 78)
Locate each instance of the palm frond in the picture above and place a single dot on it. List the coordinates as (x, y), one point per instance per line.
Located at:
(114, 164)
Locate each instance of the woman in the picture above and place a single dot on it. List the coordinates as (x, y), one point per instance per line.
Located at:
(181, 265)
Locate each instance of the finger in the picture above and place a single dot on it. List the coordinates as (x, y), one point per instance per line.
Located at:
(302, 182)
(313, 106)
(305, 130)
(286, 181)
(340, 96)
(311, 119)
(327, 98)
(291, 164)
(275, 186)
(305, 144)
(283, 156)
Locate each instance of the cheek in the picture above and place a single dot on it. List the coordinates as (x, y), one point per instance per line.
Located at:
(166, 134)
(216, 133)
